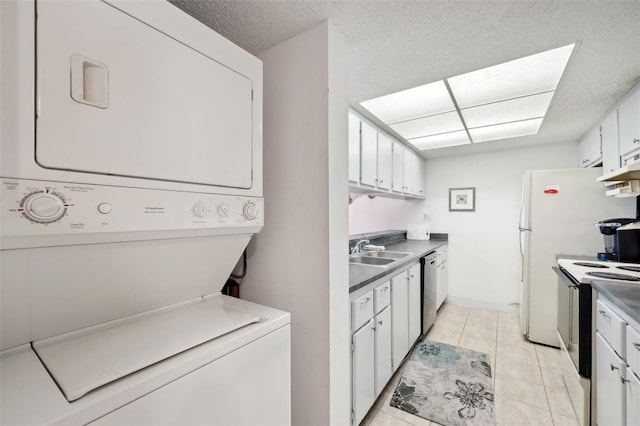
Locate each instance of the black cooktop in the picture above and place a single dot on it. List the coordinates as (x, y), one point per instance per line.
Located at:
(613, 276)
(629, 268)
(591, 265)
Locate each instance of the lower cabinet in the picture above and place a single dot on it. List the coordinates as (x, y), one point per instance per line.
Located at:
(611, 369)
(385, 322)
(363, 383)
(382, 353)
(617, 366)
(414, 299)
(399, 319)
(633, 398)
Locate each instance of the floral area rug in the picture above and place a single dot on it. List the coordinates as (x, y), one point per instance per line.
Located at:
(446, 384)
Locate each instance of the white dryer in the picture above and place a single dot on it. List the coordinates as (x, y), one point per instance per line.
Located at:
(131, 183)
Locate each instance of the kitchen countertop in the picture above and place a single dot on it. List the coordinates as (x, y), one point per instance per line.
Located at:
(361, 275)
(625, 296)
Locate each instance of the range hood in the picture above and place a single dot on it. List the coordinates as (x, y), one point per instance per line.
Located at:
(631, 171)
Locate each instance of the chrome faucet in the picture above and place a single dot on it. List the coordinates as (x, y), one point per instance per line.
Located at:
(358, 247)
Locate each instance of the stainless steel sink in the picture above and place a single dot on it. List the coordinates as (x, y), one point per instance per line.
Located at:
(385, 254)
(370, 260)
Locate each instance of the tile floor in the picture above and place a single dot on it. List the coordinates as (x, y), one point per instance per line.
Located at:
(528, 387)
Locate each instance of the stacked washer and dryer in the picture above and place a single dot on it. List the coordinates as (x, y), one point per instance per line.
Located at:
(131, 183)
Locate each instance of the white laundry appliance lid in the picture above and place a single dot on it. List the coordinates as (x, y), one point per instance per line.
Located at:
(87, 360)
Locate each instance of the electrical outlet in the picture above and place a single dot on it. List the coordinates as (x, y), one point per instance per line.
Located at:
(426, 216)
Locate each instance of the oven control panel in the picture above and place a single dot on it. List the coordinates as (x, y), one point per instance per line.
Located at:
(43, 208)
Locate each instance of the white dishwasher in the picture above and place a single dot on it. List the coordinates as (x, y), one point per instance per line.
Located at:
(429, 287)
(442, 276)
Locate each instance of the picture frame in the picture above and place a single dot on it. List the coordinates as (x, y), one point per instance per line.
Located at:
(462, 199)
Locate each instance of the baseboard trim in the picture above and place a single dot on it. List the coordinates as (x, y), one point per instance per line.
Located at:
(474, 303)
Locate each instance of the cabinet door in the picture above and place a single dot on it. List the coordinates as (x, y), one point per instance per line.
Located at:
(590, 148)
(362, 358)
(610, 150)
(398, 167)
(383, 367)
(633, 348)
(368, 154)
(441, 288)
(354, 148)
(583, 156)
(415, 299)
(633, 398)
(407, 171)
(419, 177)
(629, 124)
(361, 310)
(385, 146)
(594, 146)
(610, 391)
(399, 319)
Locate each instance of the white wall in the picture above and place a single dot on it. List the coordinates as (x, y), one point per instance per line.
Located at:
(297, 262)
(484, 256)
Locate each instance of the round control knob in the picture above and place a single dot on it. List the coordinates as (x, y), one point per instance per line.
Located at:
(44, 208)
(104, 208)
(223, 210)
(200, 209)
(250, 211)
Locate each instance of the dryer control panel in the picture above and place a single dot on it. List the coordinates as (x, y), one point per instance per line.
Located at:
(31, 208)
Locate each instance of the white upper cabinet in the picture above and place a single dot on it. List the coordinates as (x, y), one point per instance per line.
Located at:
(409, 162)
(610, 150)
(368, 154)
(629, 123)
(590, 148)
(385, 145)
(379, 163)
(354, 148)
(398, 167)
(419, 177)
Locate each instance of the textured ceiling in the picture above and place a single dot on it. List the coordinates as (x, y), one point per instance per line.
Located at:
(395, 45)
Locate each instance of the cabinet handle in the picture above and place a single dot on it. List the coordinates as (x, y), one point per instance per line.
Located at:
(636, 345)
(623, 380)
(636, 141)
(380, 322)
(613, 367)
(384, 289)
(365, 301)
(604, 314)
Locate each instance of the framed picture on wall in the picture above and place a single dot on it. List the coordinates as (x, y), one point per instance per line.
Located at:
(462, 199)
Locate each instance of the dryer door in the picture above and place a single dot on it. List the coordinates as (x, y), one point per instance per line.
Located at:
(117, 96)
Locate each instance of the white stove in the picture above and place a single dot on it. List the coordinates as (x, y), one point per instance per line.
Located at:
(587, 271)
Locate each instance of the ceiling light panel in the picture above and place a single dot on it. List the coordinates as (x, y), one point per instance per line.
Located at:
(521, 77)
(507, 130)
(518, 109)
(434, 124)
(441, 141)
(429, 99)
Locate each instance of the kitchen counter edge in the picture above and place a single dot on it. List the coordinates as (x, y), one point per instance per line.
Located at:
(362, 275)
(625, 296)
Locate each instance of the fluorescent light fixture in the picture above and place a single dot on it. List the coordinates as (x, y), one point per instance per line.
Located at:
(527, 107)
(521, 77)
(431, 125)
(441, 141)
(499, 102)
(506, 130)
(429, 99)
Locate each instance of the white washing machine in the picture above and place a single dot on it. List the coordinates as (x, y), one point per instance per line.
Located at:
(131, 183)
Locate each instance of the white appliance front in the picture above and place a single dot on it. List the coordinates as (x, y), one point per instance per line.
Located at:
(563, 207)
(128, 98)
(131, 156)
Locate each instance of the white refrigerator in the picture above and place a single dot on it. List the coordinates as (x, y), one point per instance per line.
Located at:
(560, 209)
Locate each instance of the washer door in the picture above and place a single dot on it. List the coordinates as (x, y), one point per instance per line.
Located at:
(118, 97)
